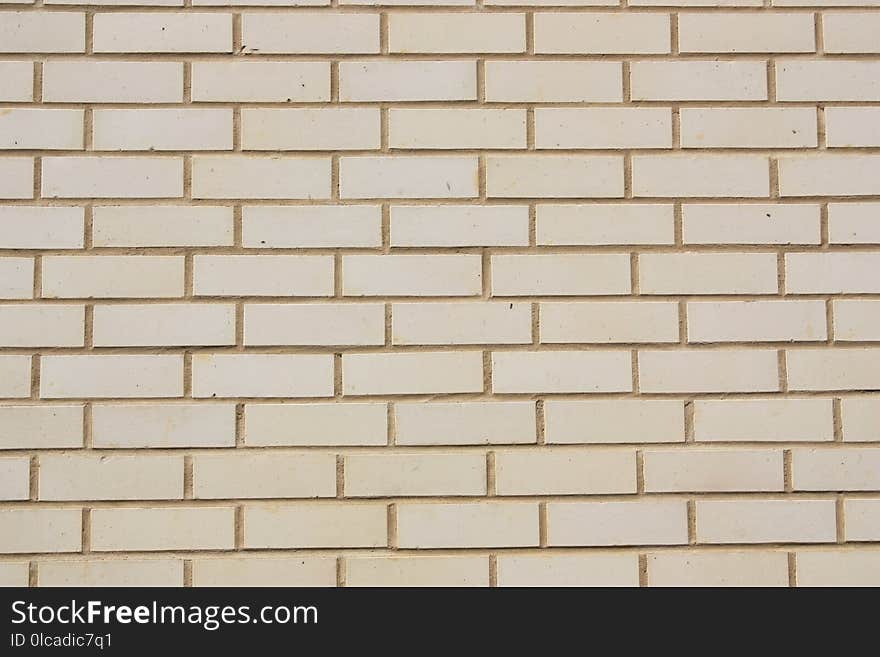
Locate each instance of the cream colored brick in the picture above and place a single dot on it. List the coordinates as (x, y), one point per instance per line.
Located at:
(43, 32)
(472, 525)
(852, 126)
(313, 33)
(120, 3)
(141, 32)
(651, 522)
(16, 177)
(827, 79)
(465, 423)
(456, 33)
(825, 3)
(163, 129)
(561, 371)
(763, 420)
(16, 81)
(171, 528)
(457, 128)
(412, 373)
(850, 32)
(41, 427)
(603, 127)
(862, 520)
(409, 475)
(164, 325)
(316, 424)
(162, 425)
(310, 129)
(604, 224)
(838, 469)
(260, 177)
(707, 273)
(614, 421)
(80, 477)
(834, 369)
(701, 175)
(713, 471)
(42, 325)
(750, 223)
(756, 321)
(566, 176)
(15, 478)
(609, 322)
(699, 80)
(551, 3)
(840, 272)
(260, 3)
(718, 569)
(856, 320)
(728, 370)
(733, 32)
(417, 571)
(411, 275)
(749, 127)
(838, 568)
(560, 274)
(51, 129)
(408, 177)
(861, 419)
(112, 177)
(122, 376)
(459, 225)
(267, 226)
(14, 574)
(697, 3)
(283, 275)
(278, 82)
(460, 323)
(265, 571)
(399, 3)
(766, 521)
(829, 175)
(16, 278)
(240, 474)
(40, 530)
(112, 82)
(112, 276)
(115, 572)
(314, 324)
(553, 81)
(15, 376)
(24, 227)
(602, 33)
(315, 525)
(262, 375)
(162, 225)
(558, 471)
(407, 80)
(569, 570)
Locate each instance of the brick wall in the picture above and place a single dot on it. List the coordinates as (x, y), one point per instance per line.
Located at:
(323, 292)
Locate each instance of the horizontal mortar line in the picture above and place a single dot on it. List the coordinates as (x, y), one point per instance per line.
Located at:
(439, 55)
(439, 104)
(170, 154)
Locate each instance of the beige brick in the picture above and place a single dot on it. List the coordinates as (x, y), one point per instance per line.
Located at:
(41, 427)
(411, 275)
(237, 475)
(850, 32)
(471, 525)
(701, 175)
(112, 276)
(260, 177)
(122, 376)
(409, 475)
(566, 176)
(162, 129)
(551, 3)
(465, 423)
(834, 369)
(161, 225)
(713, 470)
(825, 3)
(14, 574)
(856, 320)
(15, 376)
(50, 129)
(852, 126)
(283, 275)
(265, 571)
(24, 227)
(614, 421)
(15, 478)
(559, 471)
(316, 424)
(407, 80)
(838, 469)
(417, 571)
(697, 3)
(267, 226)
(750, 223)
(40, 530)
(733, 32)
(861, 419)
(172, 528)
(16, 82)
(718, 569)
(112, 177)
(756, 321)
(749, 127)
(42, 325)
(120, 3)
(399, 3)
(81, 477)
(831, 273)
(311, 33)
(828, 79)
(112, 82)
(260, 3)
(314, 324)
(730, 370)
(609, 322)
(162, 425)
(707, 273)
(457, 128)
(271, 82)
(459, 225)
(862, 520)
(412, 373)
(765, 521)
(310, 129)
(617, 523)
(838, 568)
(43, 32)
(561, 371)
(315, 525)
(829, 175)
(16, 278)
(164, 325)
(456, 33)
(603, 127)
(460, 323)
(16, 177)
(262, 375)
(560, 275)
(140, 32)
(604, 224)
(116, 572)
(553, 82)
(602, 33)
(699, 80)
(569, 570)
(763, 420)
(401, 176)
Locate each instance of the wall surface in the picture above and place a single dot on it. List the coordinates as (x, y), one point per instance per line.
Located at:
(322, 292)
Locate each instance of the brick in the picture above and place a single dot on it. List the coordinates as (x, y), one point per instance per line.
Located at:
(707, 273)
(16, 278)
(314, 324)
(560, 176)
(260, 3)
(749, 127)
(560, 275)
(41, 227)
(172, 528)
(714, 471)
(617, 523)
(838, 568)
(699, 80)
(831, 273)
(456, 33)
(316, 424)
(411, 275)
(44, 129)
(161, 225)
(829, 175)
(750, 223)
(460, 323)
(604, 224)
(838, 469)
(558, 471)
(283, 275)
(459, 225)
(260, 177)
(262, 375)
(122, 376)
(417, 571)
(41, 427)
(309, 33)
(697, 3)
(163, 129)
(246, 475)
(828, 79)
(407, 80)
(850, 32)
(40, 530)
(162, 426)
(834, 369)
(457, 128)
(569, 570)
(117, 572)
(465, 423)
(42, 325)
(718, 569)
(609, 322)
(16, 82)
(140, 32)
(15, 478)
(80, 477)
(408, 177)
(164, 325)
(42, 32)
(765, 521)
(862, 520)
(14, 574)
(553, 82)
(310, 129)
(756, 321)
(730, 370)
(401, 3)
(269, 82)
(412, 373)
(315, 525)
(856, 320)
(561, 371)
(614, 421)
(852, 126)
(112, 82)
(16, 177)
(551, 3)
(471, 525)
(112, 276)
(701, 175)
(267, 226)
(603, 127)
(15, 376)
(112, 177)
(731, 32)
(602, 33)
(265, 571)
(861, 419)
(763, 420)
(410, 475)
